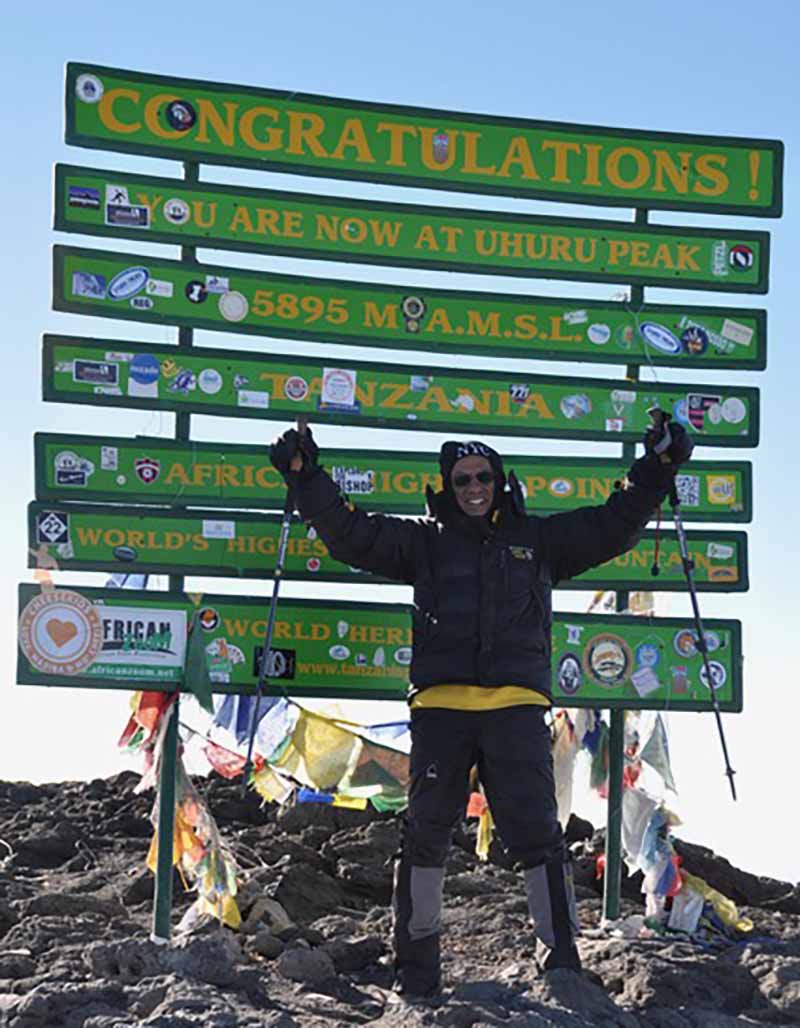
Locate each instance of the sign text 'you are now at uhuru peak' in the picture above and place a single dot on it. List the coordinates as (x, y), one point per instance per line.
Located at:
(335, 228)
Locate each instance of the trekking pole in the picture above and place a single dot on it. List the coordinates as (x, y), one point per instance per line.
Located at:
(660, 420)
(280, 562)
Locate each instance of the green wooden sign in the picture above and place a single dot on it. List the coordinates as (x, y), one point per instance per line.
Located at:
(211, 381)
(71, 638)
(89, 537)
(76, 467)
(219, 123)
(479, 324)
(333, 228)
(116, 639)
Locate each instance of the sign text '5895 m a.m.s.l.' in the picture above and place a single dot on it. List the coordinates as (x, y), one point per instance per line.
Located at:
(157, 290)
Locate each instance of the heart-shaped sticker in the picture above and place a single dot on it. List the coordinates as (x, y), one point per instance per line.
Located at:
(61, 632)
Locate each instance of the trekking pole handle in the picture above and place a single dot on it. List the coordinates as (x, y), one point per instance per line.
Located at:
(296, 463)
(660, 419)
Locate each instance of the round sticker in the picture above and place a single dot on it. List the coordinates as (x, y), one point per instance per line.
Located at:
(89, 88)
(659, 337)
(195, 291)
(402, 655)
(570, 674)
(313, 564)
(413, 307)
(685, 643)
(719, 676)
(60, 632)
(169, 368)
(126, 554)
(607, 658)
(295, 388)
(121, 480)
(741, 257)
(598, 334)
(680, 411)
(176, 211)
(560, 487)
(233, 306)
(210, 381)
(208, 619)
(623, 337)
(144, 369)
(337, 386)
(575, 406)
(128, 283)
(733, 410)
(712, 641)
(180, 115)
(694, 341)
(339, 652)
(714, 413)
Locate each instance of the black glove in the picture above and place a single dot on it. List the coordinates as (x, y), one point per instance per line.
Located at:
(288, 445)
(668, 440)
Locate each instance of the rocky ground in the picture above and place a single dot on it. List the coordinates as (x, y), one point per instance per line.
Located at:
(76, 902)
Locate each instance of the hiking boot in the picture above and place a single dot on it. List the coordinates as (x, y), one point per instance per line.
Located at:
(567, 958)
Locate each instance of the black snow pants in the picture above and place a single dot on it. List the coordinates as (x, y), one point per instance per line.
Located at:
(512, 750)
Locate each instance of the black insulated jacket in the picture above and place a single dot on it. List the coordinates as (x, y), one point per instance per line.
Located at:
(482, 590)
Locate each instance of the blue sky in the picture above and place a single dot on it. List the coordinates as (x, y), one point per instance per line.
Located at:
(711, 69)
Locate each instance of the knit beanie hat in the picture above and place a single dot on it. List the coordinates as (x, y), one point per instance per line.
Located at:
(452, 452)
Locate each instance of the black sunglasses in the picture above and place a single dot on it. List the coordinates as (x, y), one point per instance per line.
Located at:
(462, 479)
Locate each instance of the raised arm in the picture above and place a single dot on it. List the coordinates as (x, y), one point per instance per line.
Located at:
(387, 546)
(589, 536)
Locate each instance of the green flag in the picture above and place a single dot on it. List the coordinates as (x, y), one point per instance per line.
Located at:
(197, 677)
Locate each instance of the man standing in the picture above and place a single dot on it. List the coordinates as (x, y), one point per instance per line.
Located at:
(482, 572)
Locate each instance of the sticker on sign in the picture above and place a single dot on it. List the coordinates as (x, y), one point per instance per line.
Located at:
(741, 334)
(219, 529)
(252, 398)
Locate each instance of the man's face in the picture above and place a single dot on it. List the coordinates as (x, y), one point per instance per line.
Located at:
(472, 480)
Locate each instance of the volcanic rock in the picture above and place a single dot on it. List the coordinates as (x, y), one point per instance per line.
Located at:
(313, 950)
